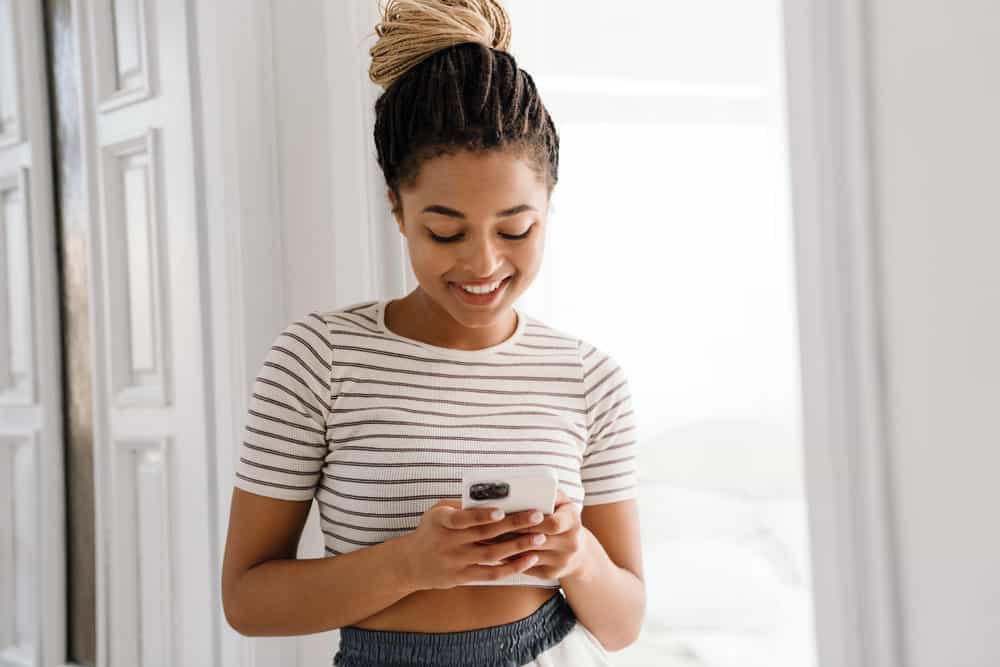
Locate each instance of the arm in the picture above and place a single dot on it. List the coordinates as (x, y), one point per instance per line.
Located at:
(608, 593)
(266, 591)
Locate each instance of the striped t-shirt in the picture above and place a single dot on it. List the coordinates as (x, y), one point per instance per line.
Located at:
(378, 427)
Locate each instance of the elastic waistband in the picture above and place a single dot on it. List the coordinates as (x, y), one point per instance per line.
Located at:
(508, 645)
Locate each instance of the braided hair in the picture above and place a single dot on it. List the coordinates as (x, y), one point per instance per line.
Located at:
(450, 84)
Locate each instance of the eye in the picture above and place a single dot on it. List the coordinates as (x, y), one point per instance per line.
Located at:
(451, 239)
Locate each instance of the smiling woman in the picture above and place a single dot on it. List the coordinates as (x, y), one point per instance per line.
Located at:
(375, 409)
(485, 249)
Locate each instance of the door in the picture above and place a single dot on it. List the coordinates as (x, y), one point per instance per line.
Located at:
(104, 284)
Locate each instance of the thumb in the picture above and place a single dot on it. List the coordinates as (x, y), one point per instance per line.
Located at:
(447, 506)
(447, 512)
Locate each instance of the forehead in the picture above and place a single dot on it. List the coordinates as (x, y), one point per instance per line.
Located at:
(477, 179)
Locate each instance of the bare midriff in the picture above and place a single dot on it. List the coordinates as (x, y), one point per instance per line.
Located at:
(459, 609)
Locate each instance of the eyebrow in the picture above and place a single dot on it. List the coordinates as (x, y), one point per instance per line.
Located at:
(452, 213)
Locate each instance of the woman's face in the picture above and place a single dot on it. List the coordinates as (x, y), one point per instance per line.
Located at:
(482, 201)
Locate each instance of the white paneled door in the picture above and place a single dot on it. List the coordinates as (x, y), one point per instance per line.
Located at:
(156, 578)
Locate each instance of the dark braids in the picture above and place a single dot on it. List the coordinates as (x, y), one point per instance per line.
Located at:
(465, 95)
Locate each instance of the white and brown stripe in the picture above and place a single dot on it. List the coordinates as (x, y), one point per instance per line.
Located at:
(377, 427)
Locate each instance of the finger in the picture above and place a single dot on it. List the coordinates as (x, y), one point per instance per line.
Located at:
(562, 520)
(569, 515)
(547, 525)
(539, 551)
(517, 523)
(493, 572)
(459, 519)
(510, 548)
(503, 537)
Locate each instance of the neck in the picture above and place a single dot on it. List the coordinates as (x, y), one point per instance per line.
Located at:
(419, 317)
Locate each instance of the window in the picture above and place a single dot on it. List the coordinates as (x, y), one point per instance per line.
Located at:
(670, 247)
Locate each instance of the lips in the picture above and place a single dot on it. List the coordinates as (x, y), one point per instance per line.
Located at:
(480, 299)
(478, 283)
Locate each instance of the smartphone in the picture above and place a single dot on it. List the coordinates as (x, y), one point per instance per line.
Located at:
(512, 491)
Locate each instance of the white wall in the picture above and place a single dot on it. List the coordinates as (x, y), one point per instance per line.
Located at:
(302, 105)
(297, 221)
(935, 92)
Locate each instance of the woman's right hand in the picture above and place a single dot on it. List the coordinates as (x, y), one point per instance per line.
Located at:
(445, 550)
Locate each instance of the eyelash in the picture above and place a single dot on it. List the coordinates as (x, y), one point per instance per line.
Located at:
(452, 239)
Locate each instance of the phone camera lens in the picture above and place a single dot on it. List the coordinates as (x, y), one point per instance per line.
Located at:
(489, 490)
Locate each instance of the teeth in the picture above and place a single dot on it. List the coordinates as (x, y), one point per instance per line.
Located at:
(482, 290)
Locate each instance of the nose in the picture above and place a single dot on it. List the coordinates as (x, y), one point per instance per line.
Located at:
(482, 257)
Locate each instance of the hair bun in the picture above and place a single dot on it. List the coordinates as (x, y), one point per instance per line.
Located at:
(411, 30)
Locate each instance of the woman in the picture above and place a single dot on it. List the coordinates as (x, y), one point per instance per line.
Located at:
(376, 408)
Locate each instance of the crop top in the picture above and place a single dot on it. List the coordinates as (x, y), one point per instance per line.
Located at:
(378, 427)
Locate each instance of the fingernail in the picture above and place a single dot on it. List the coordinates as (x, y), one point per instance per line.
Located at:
(496, 515)
(538, 539)
(536, 517)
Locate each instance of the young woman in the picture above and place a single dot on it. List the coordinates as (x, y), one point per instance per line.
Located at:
(375, 409)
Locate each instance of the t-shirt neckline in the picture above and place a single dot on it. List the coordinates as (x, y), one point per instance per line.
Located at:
(450, 352)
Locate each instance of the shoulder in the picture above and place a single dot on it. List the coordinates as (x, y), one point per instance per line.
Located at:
(543, 335)
(591, 357)
(604, 377)
(358, 316)
(598, 361)
(304, 344)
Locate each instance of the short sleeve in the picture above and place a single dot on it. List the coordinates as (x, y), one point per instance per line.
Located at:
(284, 435)
(609, 471)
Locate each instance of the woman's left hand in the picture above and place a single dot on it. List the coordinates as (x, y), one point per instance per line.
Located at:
(562, 554)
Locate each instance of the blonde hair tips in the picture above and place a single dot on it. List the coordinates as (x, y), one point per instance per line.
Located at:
(411, 30)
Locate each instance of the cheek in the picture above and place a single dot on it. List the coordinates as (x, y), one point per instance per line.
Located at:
(529, 258)
(431, 263)
(428, 255)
